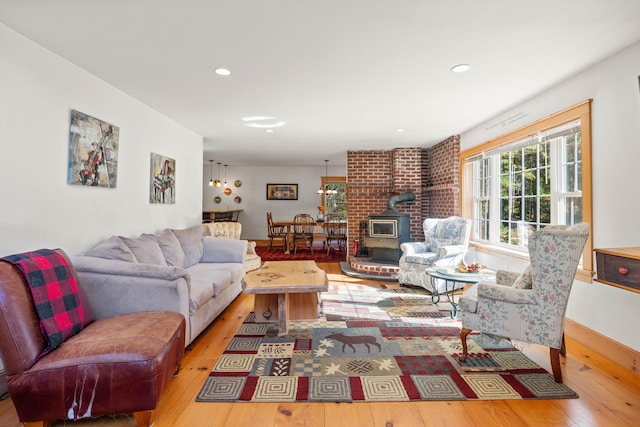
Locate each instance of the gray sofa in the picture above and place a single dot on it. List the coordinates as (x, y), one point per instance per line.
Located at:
(177, 270)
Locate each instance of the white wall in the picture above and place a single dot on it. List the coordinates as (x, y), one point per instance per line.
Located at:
(38, 208)
(253, 193)
(613, 86)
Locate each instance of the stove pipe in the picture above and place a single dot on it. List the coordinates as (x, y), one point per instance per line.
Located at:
(407, 196)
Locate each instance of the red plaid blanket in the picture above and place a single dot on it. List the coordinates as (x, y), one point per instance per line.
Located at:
(54, 291)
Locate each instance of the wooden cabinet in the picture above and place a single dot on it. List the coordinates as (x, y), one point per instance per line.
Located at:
(619, 267)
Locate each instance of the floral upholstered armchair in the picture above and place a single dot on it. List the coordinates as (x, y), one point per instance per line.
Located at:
(531, 308)
(446, 244)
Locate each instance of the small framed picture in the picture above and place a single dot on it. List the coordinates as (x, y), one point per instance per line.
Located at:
(282, 191)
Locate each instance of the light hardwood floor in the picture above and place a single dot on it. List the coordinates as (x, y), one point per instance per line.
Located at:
(609, 394)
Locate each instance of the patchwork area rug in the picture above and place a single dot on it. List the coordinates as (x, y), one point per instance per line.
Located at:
(319, 255)
(373, 343)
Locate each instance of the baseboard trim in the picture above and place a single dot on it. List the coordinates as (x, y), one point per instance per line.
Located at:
(603, 345)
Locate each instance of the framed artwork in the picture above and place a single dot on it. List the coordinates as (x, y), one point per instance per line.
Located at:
(93, 151)
(282, 191)
(163, 180)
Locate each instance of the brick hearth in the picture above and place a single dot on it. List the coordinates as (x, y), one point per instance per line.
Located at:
(363, 267)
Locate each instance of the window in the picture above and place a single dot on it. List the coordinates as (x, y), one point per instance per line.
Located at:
(335, 203)
(530, 178)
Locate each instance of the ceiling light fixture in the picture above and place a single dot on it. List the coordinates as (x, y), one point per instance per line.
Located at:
(275, 124)
(326, 189)
(326, 178)
(223, 72)
(217, 182)
(225, 177)
(321, 190)
(460, 68)
(262, 122)
(211, 180)
(256, 118)
(400, 130)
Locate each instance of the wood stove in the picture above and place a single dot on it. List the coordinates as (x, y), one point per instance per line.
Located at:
(388, 230)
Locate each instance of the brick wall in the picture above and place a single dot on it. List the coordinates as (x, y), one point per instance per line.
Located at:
(407, 175)
(443, 179)
(368, 187)
(432, 174)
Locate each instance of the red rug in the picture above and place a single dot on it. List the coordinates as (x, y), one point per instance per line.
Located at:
(319, 254)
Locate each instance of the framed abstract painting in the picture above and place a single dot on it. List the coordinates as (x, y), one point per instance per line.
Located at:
(93, 151)
(163, 180)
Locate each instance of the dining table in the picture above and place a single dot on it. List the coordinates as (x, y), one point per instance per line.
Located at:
(288, 225)
(318, 232)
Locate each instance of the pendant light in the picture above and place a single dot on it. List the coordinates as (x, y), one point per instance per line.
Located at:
(217, 181)
(225, 177)
(327, 190)
(321, 189)
(211, 180)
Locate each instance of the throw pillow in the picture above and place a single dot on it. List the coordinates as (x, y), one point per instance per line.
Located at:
(112, 248)
(55, 291)
(171, 249)
(191, 241)
(146, 249)
(525, 280)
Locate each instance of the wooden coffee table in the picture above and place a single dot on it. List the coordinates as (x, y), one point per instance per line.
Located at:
(285, 291)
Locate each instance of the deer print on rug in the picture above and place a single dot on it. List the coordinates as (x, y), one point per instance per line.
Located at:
(350, 340)
(351, 343)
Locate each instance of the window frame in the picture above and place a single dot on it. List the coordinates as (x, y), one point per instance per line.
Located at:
(582, 112)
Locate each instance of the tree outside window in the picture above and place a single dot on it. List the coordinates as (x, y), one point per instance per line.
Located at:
(335, 200)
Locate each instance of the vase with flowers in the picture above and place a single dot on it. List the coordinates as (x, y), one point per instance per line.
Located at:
(320, 213)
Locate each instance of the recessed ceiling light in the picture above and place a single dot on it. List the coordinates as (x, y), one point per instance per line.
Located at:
(264, 125)
(460, 68)
(262, 122)
(400, 130)
(223, 72)
(268, 130)
(257, 118)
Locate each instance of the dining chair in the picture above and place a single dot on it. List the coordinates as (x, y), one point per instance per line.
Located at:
(276, 232)
(335, 228)
(303, 225)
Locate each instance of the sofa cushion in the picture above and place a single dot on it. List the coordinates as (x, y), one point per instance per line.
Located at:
(191, 241)
(200, 292)
(223, 250)
(237, 270)
(146, 249)
(217, 279)
(171, 249)
(112, 248)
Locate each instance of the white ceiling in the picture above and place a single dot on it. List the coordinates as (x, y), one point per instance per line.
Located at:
(342, 74)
